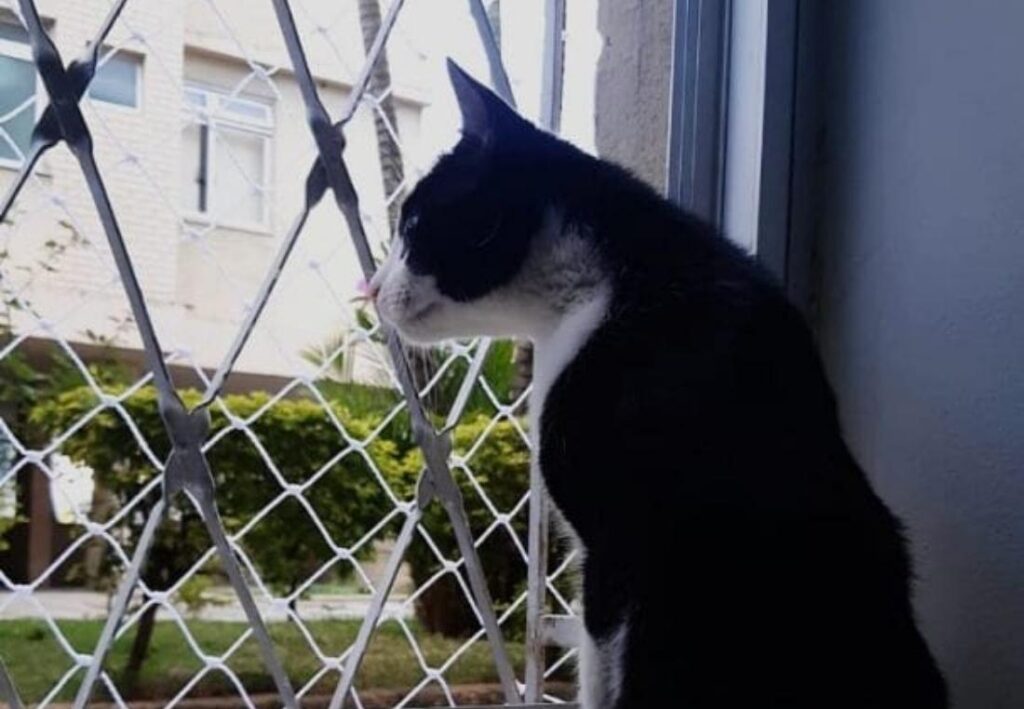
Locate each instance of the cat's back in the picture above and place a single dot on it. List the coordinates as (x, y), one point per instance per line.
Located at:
(696, 333)
(698, 363)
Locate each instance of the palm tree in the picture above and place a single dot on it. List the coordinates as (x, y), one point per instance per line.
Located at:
(391, 166)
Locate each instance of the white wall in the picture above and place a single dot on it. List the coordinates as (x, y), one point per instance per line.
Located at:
(921, 246)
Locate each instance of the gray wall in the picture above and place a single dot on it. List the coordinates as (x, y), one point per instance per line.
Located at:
(921, 311)
(632, 96)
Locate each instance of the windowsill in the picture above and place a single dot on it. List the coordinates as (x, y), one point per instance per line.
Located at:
(98, 104)
(254, 229)
(41, 169)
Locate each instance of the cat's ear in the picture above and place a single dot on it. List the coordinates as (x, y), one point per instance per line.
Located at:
(482, 110)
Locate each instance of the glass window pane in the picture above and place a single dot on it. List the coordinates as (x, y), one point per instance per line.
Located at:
(193, 179)
(239, 176)
(245, 111)
(117, 81)
(17, 105)
(195, 98)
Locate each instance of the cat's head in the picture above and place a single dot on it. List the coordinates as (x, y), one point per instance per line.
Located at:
(464, 262)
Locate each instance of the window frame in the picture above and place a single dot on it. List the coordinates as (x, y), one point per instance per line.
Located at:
(23, 51)
(697, 113)
(138, 60)
(739, 126)
(208, 119)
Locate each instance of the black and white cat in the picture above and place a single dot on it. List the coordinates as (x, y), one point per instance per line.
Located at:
(734, 554)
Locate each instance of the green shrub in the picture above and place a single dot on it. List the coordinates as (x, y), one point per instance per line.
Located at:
(6, 525)
(297, 437)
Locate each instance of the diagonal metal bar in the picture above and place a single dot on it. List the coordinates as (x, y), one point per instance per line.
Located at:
(376, 50)
(152, 351)
(476, 366)
(46, 133)
(436, 448)
(329, 140)
(499, 77)
(65, 88)
(208, 510)
(316, 187)
(381, 593)
(186, 468)
(8, 692)
(38, 148)
(188, 471)
(120, 604)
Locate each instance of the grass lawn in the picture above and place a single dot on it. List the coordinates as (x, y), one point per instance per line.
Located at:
(36, 661)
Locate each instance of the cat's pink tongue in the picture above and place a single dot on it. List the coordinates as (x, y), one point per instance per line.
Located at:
(363, 287)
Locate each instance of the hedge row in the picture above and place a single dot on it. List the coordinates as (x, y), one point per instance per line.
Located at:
(300, 439)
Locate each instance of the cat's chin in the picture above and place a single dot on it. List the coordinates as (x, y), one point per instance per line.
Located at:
(436, 327)
(420, 336)
(442, 319)
(421, 329)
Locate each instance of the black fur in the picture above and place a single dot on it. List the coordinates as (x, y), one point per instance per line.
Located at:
(693, 444)
(468, 221)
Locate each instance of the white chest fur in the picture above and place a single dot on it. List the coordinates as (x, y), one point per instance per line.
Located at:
(553, 351)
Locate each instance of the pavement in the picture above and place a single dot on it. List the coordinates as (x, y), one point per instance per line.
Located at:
(77, 604)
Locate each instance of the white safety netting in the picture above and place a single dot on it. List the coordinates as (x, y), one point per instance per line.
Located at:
(175, 495)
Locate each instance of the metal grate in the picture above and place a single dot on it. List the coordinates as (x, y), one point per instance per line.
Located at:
(186, 470)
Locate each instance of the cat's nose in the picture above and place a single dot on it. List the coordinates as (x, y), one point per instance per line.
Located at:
(369, 289)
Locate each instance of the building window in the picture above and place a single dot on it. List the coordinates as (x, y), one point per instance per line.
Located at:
(118, 79)
(226, 158)
(17, 94)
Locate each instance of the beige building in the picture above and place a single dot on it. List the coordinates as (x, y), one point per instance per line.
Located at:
(201, 137)
(202, 141)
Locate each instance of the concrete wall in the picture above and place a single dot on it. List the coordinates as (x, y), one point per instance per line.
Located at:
(632, 100)
(921, 246)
